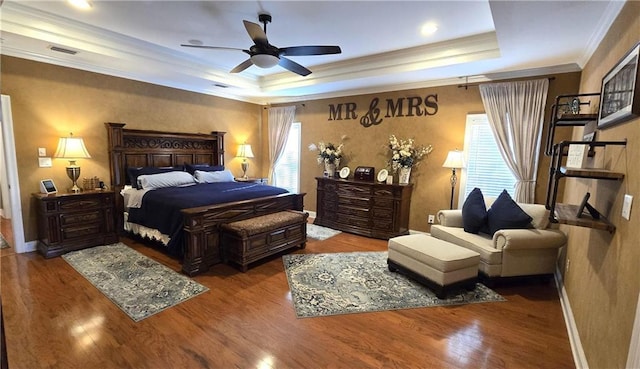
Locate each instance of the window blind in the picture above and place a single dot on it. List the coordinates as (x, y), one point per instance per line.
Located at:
(287, 169)
(485, 167)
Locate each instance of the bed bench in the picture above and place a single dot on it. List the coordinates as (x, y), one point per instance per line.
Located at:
(246, 241)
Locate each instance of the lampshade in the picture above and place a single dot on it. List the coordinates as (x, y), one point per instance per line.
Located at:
(265, 60)
(455, 159)
(71, 148)
(244, 151)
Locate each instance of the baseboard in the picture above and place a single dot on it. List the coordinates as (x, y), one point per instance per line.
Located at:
(312, 214)
(579, 357)
(29, 247)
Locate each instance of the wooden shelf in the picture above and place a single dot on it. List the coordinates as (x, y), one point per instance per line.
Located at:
(566, 214)
(575, 119)
(591, 173)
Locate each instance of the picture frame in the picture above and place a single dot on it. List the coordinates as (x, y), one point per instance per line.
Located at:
(620, 91)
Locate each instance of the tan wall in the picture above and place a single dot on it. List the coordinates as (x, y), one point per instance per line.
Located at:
(602, 279)
(366, 146)
(53, 101)
(50, 101)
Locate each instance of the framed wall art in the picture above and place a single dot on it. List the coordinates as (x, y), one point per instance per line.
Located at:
(620, 93)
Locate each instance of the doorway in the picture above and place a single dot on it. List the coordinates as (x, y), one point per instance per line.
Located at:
(9, 168)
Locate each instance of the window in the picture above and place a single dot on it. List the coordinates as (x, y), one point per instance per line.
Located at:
(287, 169)
(485, 167)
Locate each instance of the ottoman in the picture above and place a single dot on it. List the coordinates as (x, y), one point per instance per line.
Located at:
(439, 265)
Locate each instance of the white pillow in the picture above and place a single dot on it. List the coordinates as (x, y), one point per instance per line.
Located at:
(212, 177)
(169, 179)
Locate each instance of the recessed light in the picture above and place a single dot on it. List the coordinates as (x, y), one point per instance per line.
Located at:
(429, 29)
(195, 42)
(80, 4)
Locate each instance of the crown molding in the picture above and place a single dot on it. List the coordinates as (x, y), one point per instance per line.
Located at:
(600, 30)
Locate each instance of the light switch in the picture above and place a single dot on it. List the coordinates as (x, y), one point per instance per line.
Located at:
(42, 151)
(626, 207)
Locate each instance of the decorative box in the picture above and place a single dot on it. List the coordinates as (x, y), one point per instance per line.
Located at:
(364, 174)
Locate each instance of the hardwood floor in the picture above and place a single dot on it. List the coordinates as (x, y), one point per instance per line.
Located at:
(55, 319)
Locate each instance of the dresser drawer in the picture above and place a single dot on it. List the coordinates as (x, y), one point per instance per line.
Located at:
(80, 218)
(383, 202)
(382, 213)
(87, 230)
(354, 211)
(353, 220)
(361, 202)
(356, 190)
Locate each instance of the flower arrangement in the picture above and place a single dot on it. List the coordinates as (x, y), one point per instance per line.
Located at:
(404, 153)
(328, 153)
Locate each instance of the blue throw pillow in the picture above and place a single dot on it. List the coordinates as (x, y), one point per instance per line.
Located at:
(506, 214)
(474, 212)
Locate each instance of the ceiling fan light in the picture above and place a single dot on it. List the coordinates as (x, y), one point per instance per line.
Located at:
(265, 60)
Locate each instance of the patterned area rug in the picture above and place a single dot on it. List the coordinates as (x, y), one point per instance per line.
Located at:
(358, 282)
(3, 243)
(139, 286)
(320, 233)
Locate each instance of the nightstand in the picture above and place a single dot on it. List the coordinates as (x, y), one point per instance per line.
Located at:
(252, 180)
(74, 221)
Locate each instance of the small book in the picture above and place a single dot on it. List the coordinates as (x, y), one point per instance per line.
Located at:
(577, 155)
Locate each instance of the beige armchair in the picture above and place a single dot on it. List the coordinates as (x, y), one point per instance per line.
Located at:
(510, 252)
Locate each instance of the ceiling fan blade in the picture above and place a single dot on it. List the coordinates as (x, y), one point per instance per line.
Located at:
(242, 66)
(294, 67)
(310, 50)
(213, 47)
(256, 33)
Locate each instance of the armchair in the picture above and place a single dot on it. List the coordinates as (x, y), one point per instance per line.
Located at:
(510, 252)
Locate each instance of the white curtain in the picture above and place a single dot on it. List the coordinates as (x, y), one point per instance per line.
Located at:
(280, 120)
(516, 112)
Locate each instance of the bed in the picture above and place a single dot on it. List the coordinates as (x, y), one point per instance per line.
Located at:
(200, 234)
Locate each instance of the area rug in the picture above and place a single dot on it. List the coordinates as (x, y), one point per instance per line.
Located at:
(320, 233)
(3, 243)
(358, 282)
(138, 285)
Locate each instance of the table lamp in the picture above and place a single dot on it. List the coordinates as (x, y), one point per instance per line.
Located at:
(244, 152)
(455, 159)
(72, 148)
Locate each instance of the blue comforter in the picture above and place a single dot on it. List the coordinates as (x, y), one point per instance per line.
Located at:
(160, 208)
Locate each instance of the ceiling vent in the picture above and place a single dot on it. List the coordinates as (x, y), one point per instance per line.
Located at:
(63, 50)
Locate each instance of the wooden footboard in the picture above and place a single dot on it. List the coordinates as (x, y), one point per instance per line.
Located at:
(202, 226)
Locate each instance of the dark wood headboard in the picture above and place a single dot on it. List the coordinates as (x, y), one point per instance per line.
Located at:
(144, 148)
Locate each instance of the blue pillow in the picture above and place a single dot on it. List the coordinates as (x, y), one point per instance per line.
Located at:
(133, 173)
(474, 212)
(191, 168)
(506, 214)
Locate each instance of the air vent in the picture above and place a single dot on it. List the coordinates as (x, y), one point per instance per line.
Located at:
(63, 50)
(220, 85)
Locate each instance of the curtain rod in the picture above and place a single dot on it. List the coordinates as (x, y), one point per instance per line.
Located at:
(300, 104)
(467, 85)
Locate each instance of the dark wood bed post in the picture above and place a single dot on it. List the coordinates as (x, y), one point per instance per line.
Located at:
(114, 133)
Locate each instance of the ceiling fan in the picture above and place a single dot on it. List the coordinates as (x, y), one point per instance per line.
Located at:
(265, 55)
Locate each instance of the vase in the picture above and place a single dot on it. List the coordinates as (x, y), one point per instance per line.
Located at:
(330, 170)
(404, 175)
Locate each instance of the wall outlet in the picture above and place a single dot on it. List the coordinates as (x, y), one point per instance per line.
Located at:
(626, 207)
(431, 219)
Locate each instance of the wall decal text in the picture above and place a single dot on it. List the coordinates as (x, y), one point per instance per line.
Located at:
(401, 107)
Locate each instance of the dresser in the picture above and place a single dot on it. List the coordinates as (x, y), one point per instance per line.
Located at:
(68, 222)
(370, 209)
